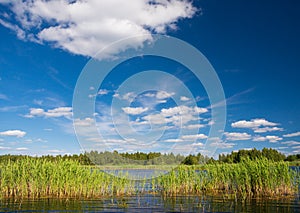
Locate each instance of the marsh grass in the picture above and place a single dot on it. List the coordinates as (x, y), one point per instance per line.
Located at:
(36, 178)
(246, 179)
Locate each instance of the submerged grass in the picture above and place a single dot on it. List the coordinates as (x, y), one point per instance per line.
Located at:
(34, 178)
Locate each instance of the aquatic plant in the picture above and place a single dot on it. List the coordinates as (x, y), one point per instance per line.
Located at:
(33, 177)
(37, 177)
(248, 178)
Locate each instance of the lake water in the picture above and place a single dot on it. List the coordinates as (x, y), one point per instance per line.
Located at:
(152, 203)
(148, 202)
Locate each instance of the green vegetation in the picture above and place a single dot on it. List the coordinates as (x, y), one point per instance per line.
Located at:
(245, 179)
(253, 154)
(154, 158)
(138, 158)
(39, 177)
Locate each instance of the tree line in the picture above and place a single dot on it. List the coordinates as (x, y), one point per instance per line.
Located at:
(156, 158)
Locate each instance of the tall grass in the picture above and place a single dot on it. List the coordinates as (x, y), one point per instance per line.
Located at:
(246, 179)
(65, 178)
(34, 178)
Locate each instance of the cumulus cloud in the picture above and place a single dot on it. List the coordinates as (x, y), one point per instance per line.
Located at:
(270, 138)
(134, 110)
(183, 98)
(258, 125)
(296, 134)
(194, 137)
(253, 123)
(15, 133)
(178, 115)
(85, 27)
(182, 110)
(51, 113)
(237, 136)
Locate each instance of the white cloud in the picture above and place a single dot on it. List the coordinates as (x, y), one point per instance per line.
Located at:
(128, 96)
(291, 143)
(21, 149)
(179, 115)
(134, 110)
(197, 144)
(194, 126)
(270, 138)
(296, 134)
(5, 148)
(20, 33)
(164, 95)
(222, 145)
(194, 137)
(273, 138)
(253, 123)
(86, 122)
(85, 27)
(200, 110)
(15, 133)
(237, 136)
(103, 92)
(259, 138)
(183, 98)
(173, 140)
(267, 129)
(157, 119)
(175, 110)
(182, 110)
(51, 113)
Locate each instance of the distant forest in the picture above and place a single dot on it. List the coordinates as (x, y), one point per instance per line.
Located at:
(156, 158)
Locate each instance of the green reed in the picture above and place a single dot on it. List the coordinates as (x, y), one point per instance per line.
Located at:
(31, 177)
(248, 178)
(35, 177)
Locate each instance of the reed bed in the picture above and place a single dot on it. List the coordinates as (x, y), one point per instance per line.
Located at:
(35, 178)
(246, 179)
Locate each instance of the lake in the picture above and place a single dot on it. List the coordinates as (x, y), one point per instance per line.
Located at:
(148, 202)
(152, 203)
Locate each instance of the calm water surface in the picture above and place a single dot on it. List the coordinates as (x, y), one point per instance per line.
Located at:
(152, 203)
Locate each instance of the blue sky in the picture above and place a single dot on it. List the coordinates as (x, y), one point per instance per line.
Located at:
(253, 47)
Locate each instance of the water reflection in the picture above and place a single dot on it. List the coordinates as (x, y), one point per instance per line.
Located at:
(152, 203)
